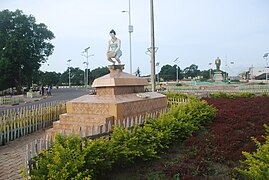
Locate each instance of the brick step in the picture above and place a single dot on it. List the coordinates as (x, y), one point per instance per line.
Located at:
(85, 118)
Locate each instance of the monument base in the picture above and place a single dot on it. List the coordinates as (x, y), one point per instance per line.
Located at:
(218, 76)
(118, 96)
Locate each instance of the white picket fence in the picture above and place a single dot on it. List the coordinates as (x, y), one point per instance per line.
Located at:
(4, 100)
(25, 120)
(177, 100)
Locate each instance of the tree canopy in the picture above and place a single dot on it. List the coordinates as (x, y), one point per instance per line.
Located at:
(24, 45)
(168, 72)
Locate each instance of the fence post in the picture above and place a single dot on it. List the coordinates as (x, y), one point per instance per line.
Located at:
(104, 128)
(132, 121)
(86, 131)
(80, 132)
(136, 120)
(93, 131)
(8, 133)
(11, 130)
(109, 126)
(124, 125)
(128, 122)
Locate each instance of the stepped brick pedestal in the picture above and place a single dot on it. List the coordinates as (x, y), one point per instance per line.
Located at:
(119, 95)
(218, 76)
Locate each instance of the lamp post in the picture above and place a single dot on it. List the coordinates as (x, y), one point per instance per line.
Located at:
(86, 50)
(153, 87)
(130, 30)
(85, 75)
(69, 77)
(176, 61)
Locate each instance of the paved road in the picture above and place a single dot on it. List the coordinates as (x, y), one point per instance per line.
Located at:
(57, 95)
(12, 155)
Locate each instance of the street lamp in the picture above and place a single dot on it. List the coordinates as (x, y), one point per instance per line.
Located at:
(130, 29)
(152, 47)
(86, 50)
(69, 77)
(84, 74)
(176, 61)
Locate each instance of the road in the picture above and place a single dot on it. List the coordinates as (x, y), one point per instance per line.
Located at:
(12, 155)
(57, 95)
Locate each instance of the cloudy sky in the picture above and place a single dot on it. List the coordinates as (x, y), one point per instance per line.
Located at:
(196, 31)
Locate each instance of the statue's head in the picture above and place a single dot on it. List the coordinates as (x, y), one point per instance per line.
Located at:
(112, 33)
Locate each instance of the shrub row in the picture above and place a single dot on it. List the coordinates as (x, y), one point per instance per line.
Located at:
(180, 96)
(232, 95)
(74, 158)
(256, 164)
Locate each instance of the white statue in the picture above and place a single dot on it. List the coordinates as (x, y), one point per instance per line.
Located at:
(114, 45)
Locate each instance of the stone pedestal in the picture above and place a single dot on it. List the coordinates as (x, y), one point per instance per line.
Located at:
(218, 76)
(119, 95)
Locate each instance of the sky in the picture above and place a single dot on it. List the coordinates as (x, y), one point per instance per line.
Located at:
(194, 31)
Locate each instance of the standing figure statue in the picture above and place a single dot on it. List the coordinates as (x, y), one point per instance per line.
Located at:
(218, 63)
(114, 45)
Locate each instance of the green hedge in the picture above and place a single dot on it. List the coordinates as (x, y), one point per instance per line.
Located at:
(256, 164)
(232, 95)
(180, 96)
(73, 158)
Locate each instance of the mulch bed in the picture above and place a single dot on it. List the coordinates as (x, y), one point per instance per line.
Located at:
(218, 148)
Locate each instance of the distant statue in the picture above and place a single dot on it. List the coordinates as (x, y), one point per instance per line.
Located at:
(114, 45)
(218, 63)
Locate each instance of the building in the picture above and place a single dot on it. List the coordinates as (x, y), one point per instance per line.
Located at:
(258, 73)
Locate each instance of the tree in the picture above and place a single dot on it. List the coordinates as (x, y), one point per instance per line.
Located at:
(169, 73)
(206, 74)
(98, 72)
(191, 71)
(24, 45)
(50, 78)
(76, 76)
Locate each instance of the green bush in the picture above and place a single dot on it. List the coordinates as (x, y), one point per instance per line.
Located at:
(180, 96)
(232, 95)
(65, 160)
(74, 158)
(99, 156)
(264, 94)
(256, 164)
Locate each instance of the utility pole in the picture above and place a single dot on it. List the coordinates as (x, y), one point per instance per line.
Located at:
(130, 30)
(153, 86)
